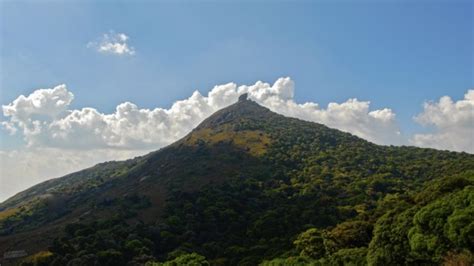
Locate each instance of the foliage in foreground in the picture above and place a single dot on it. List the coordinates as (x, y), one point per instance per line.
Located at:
(399, 230)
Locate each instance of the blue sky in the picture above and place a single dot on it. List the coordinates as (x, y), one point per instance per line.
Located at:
(395, 54)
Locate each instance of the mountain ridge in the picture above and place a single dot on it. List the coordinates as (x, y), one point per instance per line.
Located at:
(222, 116)
(243, 148)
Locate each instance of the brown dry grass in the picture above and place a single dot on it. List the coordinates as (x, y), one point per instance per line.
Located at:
(253, 141)
(8, 212)
(463, 258)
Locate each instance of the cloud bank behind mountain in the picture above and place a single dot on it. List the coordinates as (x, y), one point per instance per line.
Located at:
(59, 139)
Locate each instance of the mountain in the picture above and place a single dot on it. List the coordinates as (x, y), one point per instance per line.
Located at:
(249, 186)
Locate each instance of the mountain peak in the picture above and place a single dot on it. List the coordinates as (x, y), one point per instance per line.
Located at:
(243, 97)
(243, 109)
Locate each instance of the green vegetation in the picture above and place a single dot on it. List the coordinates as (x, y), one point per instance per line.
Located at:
(33, 214)
(251, 187)
(192, 259)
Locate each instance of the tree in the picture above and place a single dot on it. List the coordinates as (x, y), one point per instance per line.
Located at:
(389, 245)
(110, 257)
(349, 257)
(310, 243)
(350, 234)
(192, 259)
(444, 225)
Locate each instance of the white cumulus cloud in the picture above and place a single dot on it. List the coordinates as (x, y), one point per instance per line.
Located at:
(113, 43)
(452, 122)
(31, 113)
(46, 121)
(61, 139)
(351, 116)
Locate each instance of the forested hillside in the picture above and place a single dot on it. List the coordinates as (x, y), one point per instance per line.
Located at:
(250, 187)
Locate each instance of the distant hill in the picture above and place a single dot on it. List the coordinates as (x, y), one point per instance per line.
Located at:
(248, 187)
